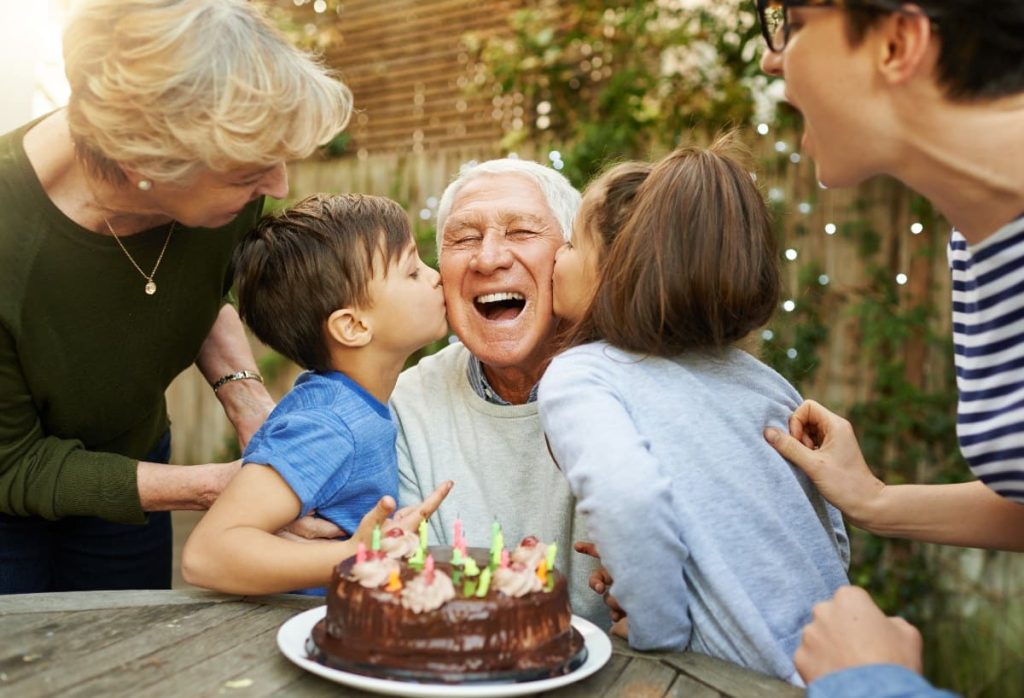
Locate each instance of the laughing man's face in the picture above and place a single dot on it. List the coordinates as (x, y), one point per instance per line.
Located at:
(497, 254)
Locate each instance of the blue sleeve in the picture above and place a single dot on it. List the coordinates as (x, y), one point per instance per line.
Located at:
(312, 452)
(874, 681)
(626, 498)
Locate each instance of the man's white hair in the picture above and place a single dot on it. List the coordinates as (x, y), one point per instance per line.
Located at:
(561, 196)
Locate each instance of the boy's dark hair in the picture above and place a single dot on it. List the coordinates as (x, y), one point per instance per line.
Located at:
(298, 266)
(981, 42)
(695, 265)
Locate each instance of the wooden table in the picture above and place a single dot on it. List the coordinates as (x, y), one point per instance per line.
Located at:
(194, 643)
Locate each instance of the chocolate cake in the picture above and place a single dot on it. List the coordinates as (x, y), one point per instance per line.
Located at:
(484, 616)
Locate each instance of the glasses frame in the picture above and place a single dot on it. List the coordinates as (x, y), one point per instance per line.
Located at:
(763, 6)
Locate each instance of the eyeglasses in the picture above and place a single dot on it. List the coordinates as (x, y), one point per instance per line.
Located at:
(774, 15)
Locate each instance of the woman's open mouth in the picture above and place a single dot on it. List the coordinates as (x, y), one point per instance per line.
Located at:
(506, 305)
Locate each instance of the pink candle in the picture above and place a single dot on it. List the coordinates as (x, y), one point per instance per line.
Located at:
(428, 569)
(458, 532)
(504, 558)
(360, 553)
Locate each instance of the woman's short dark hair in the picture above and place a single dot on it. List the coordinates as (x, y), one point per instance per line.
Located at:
(297, 267)
(695, 265)
(981, 42)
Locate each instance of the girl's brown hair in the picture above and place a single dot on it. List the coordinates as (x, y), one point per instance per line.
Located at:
(694, 266)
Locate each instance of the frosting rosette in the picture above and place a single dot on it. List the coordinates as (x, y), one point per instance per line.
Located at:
(516, 580)
(421, 595)
(374, 571)
(529, 553)
(399, 544)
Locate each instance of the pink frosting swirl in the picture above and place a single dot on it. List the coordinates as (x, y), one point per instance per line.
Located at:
(399, 545)
(419, 595)
(529, 553)
(516, 580)
(374, 572)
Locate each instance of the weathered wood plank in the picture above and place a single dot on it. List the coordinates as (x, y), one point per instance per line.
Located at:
(266, 678)
(728, 678)
(595, 684)
(188, 667)
(685, 687)
(58, 671)
(49, 647)
(643, 678)
(87, 600)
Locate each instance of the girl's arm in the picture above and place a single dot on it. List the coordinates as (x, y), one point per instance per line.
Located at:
(824, 446)
(625, 496)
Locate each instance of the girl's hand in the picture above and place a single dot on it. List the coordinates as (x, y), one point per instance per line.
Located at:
(601, 580)
(377, 516)
(824, 446)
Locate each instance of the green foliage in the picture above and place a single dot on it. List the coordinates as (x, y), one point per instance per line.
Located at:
(612, 80)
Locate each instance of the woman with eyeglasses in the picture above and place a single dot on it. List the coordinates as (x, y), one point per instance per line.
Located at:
(931, 93)
(118, 218)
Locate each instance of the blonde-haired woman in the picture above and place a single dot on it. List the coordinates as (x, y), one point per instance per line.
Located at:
(118, 218)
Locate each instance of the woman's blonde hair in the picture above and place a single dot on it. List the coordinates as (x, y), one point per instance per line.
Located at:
(166, 87)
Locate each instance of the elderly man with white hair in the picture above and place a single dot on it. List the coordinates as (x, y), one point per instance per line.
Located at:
(469, 412)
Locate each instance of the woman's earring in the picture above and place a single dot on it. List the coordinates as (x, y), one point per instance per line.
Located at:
(144, 185)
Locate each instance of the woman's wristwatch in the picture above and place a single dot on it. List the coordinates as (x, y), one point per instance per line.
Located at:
(236, 376)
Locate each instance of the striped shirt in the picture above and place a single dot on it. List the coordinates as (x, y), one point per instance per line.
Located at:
(988, 338)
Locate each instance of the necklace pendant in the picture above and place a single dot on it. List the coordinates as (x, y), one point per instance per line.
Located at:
(150, 288)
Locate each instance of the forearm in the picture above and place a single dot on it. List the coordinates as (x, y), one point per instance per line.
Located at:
(178, 487)
(225, 351)
(967, 514)
(248, 560)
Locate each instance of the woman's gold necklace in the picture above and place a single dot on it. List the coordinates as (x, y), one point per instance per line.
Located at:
(150, 287)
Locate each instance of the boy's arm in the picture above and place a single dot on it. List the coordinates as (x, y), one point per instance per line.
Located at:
(234, 548)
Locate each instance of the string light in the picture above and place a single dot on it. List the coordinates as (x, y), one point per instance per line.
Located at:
(789, 306)
(794, 158)
(791, 254)
(823, 279)
(916, 228)
(791, 353)
(901, 279)
(762, 129)
(767, 335)
(830, 228)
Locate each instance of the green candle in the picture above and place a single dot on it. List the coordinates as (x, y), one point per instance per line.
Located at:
(550, 556)
(423, 534)
(469, 567)
(456, 557)
(484, 583)
(375, 540)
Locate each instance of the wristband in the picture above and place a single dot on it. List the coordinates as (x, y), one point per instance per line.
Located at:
(237, 376)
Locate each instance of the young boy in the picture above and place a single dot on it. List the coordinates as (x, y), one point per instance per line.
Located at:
(336, 285)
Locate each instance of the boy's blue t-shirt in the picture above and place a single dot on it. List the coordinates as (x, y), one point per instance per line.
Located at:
(334, 444)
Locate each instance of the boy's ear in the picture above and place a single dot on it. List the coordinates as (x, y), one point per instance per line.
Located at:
(910, 46)
(347, 327)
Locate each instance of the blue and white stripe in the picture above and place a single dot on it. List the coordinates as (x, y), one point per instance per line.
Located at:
(988, 337)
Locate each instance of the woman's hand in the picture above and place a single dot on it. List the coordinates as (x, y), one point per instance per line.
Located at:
(823, 445)
(601, 581)
(176, 487)
(247, 405)
(849, 631)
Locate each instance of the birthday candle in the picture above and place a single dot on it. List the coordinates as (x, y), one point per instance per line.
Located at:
(458, 532)
(504, 558)
(423, 534)
(375, 539)
(469, 567)
(484, 584)
(394, 583)
(428, 569)
(360, 553)
(550, 556)
(542, 571)
(456, 556)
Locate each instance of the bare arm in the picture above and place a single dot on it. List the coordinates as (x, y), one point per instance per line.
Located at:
(226, 350)
(234, 548)
(969, 514)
